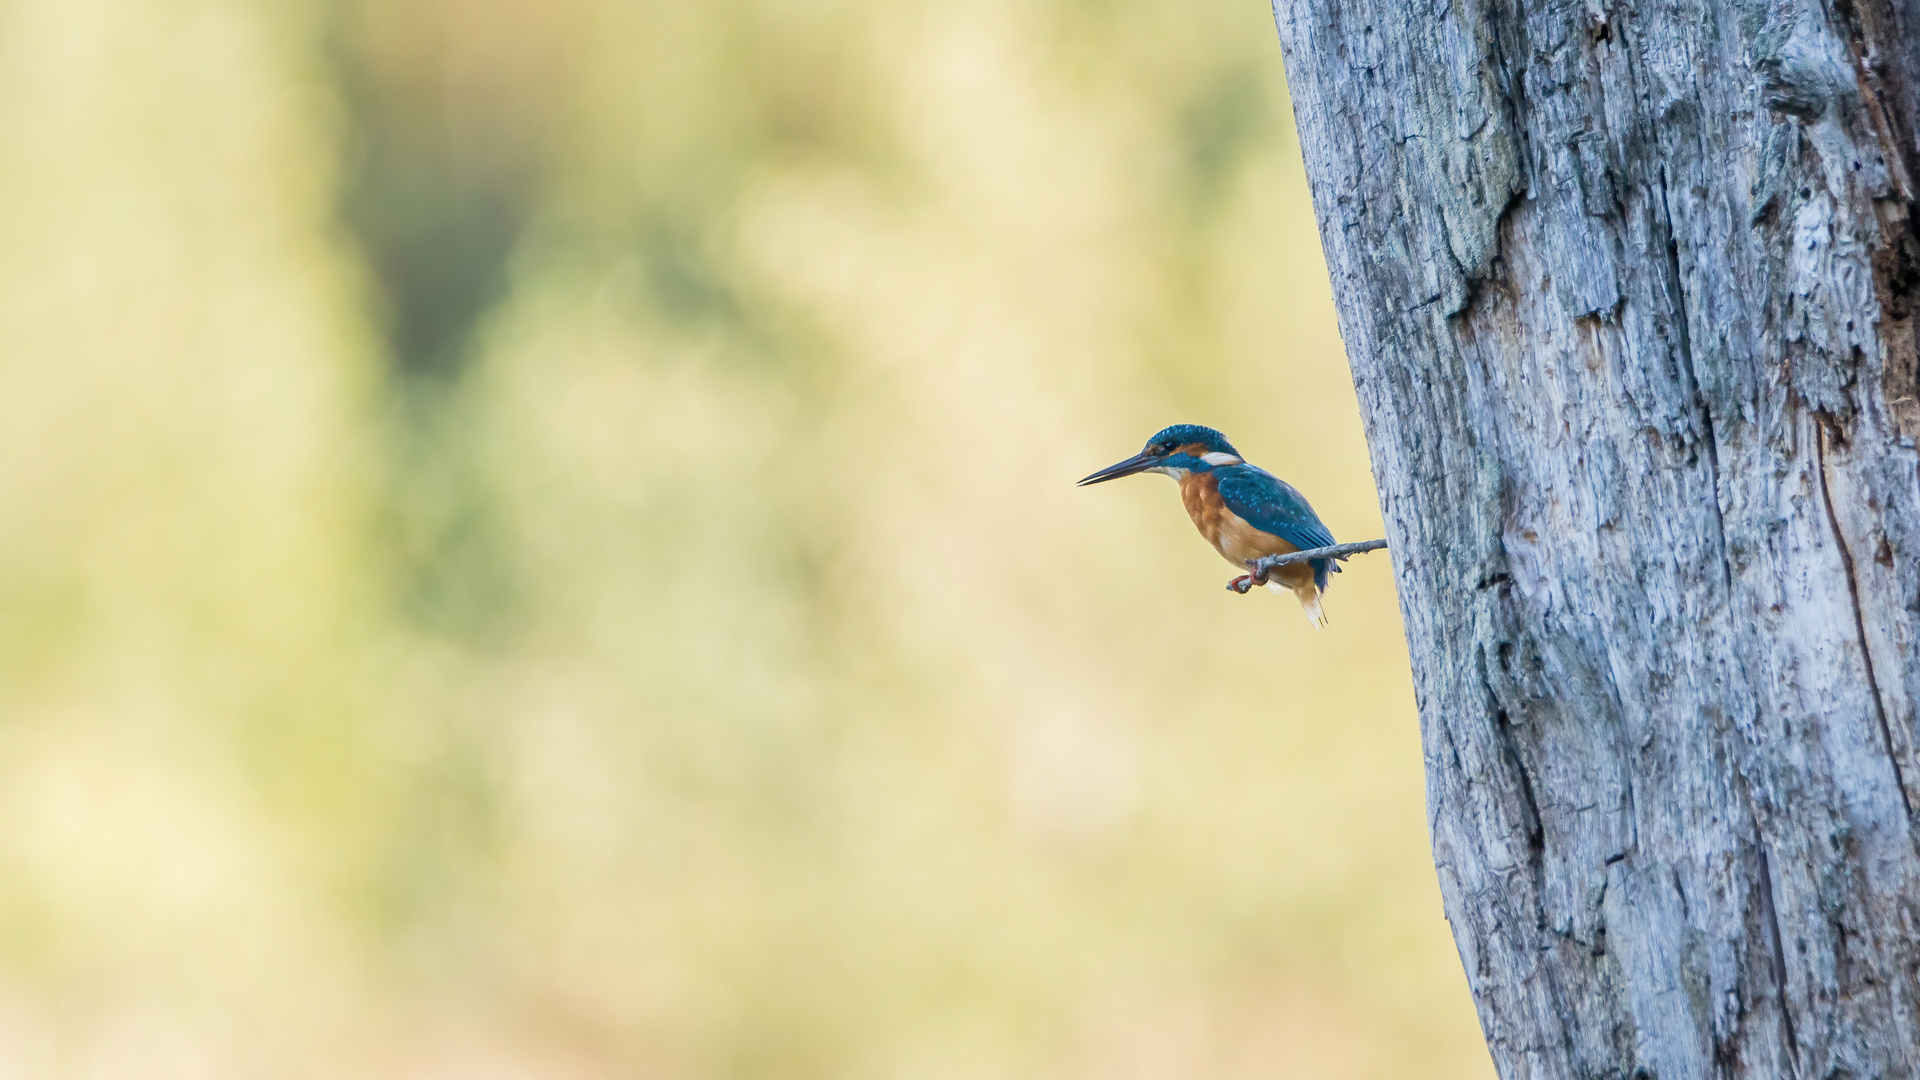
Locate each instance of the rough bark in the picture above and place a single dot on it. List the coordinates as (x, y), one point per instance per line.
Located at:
(1628, 294)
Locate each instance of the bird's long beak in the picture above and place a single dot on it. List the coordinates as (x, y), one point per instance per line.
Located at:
(1140, 462)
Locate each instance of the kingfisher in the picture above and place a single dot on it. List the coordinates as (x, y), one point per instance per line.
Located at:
(1244, 511)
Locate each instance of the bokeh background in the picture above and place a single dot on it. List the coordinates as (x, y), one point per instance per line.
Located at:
(537, 539)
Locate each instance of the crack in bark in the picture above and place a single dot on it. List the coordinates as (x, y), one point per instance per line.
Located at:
(1537, 833)
(1822, 422)
(1510, 749)
(1779, 966)
(1512, 95)
(1693, 384)
(1536, 854)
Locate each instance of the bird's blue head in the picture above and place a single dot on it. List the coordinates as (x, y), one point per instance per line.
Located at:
(1175, 450)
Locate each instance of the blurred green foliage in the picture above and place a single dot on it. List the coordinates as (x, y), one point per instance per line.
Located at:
(539, 540)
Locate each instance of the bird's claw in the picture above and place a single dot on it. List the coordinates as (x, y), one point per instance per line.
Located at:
(1246, 582)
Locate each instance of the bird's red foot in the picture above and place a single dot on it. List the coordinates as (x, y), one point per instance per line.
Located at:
(1241, 584)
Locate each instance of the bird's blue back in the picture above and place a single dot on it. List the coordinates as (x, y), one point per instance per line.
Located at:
(1271, 505)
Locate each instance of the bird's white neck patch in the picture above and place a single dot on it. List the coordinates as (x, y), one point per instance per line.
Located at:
(1217, 458)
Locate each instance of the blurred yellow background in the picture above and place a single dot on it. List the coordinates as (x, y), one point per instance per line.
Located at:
(537, 539)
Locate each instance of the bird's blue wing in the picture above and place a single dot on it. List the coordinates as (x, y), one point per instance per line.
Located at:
(1271, 505)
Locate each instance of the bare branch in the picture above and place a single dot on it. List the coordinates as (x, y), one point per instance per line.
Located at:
(1263, 567)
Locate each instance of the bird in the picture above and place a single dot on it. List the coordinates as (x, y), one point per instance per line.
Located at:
(1244, 511)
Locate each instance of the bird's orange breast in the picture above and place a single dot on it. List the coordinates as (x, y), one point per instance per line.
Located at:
(1200, 493)
(1231, 535)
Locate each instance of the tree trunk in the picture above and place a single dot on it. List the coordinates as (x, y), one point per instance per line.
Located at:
(1628, 292)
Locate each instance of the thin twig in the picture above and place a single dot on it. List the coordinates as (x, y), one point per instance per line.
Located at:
(1265, 566)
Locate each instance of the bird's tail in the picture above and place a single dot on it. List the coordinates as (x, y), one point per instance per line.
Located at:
(1309, 600)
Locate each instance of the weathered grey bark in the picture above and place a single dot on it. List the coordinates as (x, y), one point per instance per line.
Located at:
(1628, 292)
